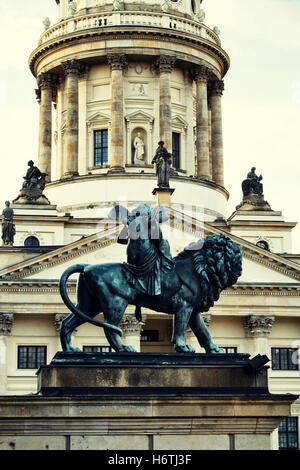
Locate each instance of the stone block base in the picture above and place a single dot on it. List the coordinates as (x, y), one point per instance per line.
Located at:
(145, 402)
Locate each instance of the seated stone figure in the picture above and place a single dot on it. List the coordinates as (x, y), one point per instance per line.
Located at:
(33, 186)
(34, 177)
(252, 185)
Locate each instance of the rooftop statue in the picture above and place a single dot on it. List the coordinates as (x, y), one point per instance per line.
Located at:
(184, 286)
(8, 227)
(33, 186)
(163, 160)
(252, 185)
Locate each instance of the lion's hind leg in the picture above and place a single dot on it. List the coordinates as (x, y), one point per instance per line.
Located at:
(203, 336)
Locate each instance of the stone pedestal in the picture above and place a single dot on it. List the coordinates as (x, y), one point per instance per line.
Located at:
(163, 196)
(113, 401)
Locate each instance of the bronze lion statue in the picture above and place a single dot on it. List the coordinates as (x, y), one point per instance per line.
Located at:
(200, 273)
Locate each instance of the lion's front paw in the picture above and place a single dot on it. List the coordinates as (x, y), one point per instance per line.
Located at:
(214, 349)
(186, 348)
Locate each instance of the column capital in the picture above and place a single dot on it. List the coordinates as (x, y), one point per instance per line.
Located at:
(6, 323)
(130, 324)
(201, 73)
(38, 94)
(46, 80)
(216, 87)
(58, 318)
(165, 63)
(117, 61)
(259, 325)
(72, 66)
(206, 317)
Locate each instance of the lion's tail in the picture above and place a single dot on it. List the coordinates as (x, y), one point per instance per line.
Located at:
(79, 268)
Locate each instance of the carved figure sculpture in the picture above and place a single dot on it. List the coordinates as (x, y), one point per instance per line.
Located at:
(139, 146)
(8, 227)
(33, 186)
(252, 185)
(46, 23)
(73, 7)
(200, 273)
(163, 160)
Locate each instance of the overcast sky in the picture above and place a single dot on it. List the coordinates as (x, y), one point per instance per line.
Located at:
(261, 103)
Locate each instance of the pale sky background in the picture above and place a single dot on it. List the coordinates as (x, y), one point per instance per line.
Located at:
(261, 103)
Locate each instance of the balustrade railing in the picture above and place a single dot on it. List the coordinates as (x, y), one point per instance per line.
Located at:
(128, 18)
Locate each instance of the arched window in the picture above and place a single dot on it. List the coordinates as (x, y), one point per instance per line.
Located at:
(31, 242)
(263, 244)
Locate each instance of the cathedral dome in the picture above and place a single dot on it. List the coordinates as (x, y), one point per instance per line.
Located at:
(124, 76)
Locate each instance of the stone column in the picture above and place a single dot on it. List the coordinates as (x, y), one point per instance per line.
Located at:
(6, 322)
(117, 64)
(165, 65)
(72, 69)
(132, 330)
(45, 83)
(258, 328)
(216, 91)
(201, 75)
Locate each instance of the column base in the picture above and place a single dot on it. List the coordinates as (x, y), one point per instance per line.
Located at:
(70, 174)
(118, 169)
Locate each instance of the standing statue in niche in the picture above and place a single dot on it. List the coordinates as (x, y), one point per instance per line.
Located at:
(163, 160)
(8, 227)
(139, 153)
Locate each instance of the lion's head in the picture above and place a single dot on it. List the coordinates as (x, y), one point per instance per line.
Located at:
(218, 263)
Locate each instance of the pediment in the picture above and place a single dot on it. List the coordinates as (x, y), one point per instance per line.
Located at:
(139, 116)
(177, 120)
(97, 117)
(258, 264)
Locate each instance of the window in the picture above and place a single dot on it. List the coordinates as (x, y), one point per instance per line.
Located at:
(31, 242)
(229, 349)
(96, 349)
(284, 359)
(101, 147)
(263, 244)
(288, 434)
(149, 335)
(31, 357)
(176, 150)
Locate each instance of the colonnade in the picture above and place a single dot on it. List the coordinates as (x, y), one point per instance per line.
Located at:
(209, 139)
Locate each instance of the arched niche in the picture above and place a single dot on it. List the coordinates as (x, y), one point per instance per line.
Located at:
(142, 122)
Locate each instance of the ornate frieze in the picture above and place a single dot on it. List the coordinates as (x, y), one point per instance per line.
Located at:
(117, 61)
(6, 323)
(259, 325)
(165, 63)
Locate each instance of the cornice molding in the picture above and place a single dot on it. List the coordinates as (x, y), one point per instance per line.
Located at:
(123, 34)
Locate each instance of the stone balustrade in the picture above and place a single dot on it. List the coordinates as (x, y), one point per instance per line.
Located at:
(128, 18)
